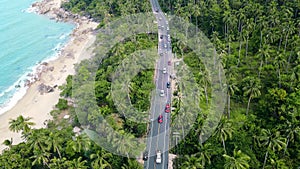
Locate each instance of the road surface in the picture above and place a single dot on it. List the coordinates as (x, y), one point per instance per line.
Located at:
(158, 138)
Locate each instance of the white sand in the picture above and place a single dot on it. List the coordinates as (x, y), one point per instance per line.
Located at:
(38, 106)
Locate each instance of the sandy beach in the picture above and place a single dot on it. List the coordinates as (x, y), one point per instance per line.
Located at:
(37, 105)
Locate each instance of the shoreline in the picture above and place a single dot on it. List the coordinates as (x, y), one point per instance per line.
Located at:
(35, 103)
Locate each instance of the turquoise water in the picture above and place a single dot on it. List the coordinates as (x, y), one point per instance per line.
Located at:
(25, 40)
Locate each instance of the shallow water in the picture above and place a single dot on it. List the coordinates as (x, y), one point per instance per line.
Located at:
(26, 39)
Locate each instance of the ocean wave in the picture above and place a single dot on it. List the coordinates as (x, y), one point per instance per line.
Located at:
(17, 91)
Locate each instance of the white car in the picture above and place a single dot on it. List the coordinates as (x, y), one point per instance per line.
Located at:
(162, 93)
(158, 157)
(164, 70)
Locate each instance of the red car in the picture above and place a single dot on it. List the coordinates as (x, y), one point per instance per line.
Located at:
(160, 119)
(167, 108)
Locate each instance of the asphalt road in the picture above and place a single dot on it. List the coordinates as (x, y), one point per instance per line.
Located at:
(158, 138)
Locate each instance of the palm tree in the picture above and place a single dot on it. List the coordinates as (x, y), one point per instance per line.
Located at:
(41, 157)
(252, 89)
(272, 141)
(279, 63)
(37, 140)
(205, 153)
(77, 163)
(55, 142)
(248, 30)
(20, 123)
(292, 131)
(231, 87)
(100, 159)
(224, 132)
(8, 142)
(264, 54)
(132, 164)
(238, 161)
(192, 162)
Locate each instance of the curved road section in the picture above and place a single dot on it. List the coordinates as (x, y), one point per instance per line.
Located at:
(158, 137)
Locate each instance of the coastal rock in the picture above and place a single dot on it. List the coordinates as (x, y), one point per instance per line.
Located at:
(42, 88)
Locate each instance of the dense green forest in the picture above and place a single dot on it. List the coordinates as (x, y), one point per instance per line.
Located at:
(259, 44)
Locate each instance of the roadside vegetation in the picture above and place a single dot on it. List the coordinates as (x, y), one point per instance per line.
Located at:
(259, 45)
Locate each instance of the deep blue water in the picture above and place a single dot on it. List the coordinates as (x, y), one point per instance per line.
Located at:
(25, 40)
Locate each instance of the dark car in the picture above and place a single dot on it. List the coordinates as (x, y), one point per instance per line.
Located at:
(169, 63)
(161, 36)
(167, 108)
(155, 9)
(160, 119)
(145, 156)
(168, 85)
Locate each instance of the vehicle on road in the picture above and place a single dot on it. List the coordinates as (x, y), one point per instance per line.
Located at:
(161, 54)
(155, 9)
(162, 93)
(168, 85)
(169, 38)
(169, 63)
(164, 70)
(158, 157)
(168, 28)
(167, 108)
(145, 156)
(160, 119)
(165, 45)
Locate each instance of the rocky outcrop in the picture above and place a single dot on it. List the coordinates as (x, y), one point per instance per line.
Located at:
(42, 88)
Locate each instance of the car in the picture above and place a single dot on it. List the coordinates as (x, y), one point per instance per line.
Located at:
(164, 70)
(168, 105)
(165, 45)
(161, 54)
(161, 36)
(158, 157)
(168, 85)
(169, 38)
(155, 9)
(167, 108)
(162, 93)
(168, 28)
(145, 156)
(160, 119)
(160, 18)
(169, 63)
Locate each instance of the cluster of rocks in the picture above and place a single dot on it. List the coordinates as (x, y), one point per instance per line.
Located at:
(59, 14)
(42, 88)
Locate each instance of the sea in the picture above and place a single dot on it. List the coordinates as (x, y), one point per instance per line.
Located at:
(26, 40)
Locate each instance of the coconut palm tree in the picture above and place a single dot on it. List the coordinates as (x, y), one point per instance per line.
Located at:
(20, 124)
(231, 87)
(252, 89)
(132, 164)
(100, 159)
(279, 63)
(224, 131)
(292, 131)
(263, 54)
(77, 163)
(41, 158)
(204, 153)
(238, 161)
(8, 142)
(272, 141)
(191, 162)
